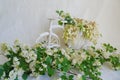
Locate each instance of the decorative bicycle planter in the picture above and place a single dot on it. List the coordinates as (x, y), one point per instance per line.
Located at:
(47, 57)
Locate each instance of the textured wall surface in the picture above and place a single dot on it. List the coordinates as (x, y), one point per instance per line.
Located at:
(26, 19)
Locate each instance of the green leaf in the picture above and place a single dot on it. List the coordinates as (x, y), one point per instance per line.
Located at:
(16, 78)
(25, 76)
(40, 53)
(64, 77)
(66, 68)
(60, 22)
(1, 70)
(24, 64)
(84, 77)
(59, 12)
(51, 71)
(71, 77)
(59, 66)
(65, 65)
(7, 67)
(49, 60)
(37, 67)
(115, 61)
(42, 72)
(109, 48)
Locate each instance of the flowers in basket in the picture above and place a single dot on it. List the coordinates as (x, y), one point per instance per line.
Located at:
(76, 28)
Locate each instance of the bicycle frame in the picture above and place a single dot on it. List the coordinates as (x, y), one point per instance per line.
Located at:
(50, 34)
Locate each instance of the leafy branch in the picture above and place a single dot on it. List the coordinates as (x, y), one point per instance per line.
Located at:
(38, 60)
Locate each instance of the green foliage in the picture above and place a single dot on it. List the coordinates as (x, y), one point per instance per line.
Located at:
(7, 68)
(65, 65)
(40, 51)
(84, 77)
(70, 77)
(25, 76)
(59, 12)
(66, 17)
(101, 57)
(50, 70)
(89, 65)
(49, 60)
(23, 64)
(1, 70)
(109, 48)
(16, 78)
(60, 22)
(66, 77)
(89, 69)
(115, 61)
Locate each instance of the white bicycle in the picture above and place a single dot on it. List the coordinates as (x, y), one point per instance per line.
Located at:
(50, 39)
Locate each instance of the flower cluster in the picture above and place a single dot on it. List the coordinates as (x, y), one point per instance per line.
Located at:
(89, 29)
(81, 64)
(70, 33)
(74, 26)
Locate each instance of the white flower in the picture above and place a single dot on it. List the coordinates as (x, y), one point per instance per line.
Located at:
(16, 62)
(66, 54)
(32, 66)
(44, 65)
(20, 73)
(61, 59)
(15, 59)
(16, 46)
(6, 53)
(4, 49)
(16, 73)
(97, 62)
(29, 55)
(34, 74)
(74, 61)
(63, 51)
(32, 55)
(12, 75)
(16, 42)
(59, 79)
(15, 49)
(76, 58)
(21, 45)
(78, 77)
(25, 47)
(24, 53)
(40, 69)
(49, 52)
(106, 55)
(55, 49)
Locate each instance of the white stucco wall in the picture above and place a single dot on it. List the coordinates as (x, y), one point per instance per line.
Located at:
(26, 19)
